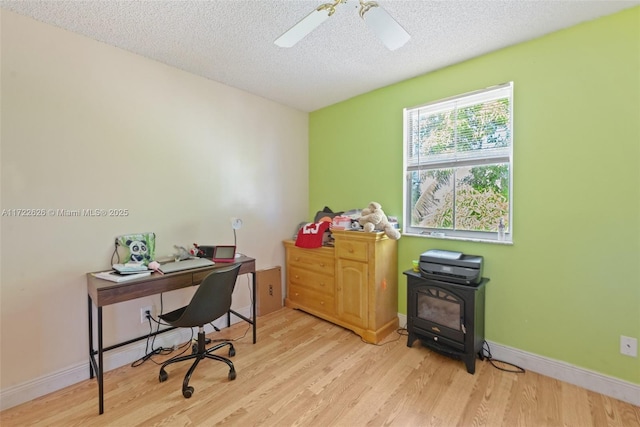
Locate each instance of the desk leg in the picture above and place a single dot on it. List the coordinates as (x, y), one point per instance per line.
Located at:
(100, 364)
(93, 367)
(253, 318)
(90, 338)
(253, 306)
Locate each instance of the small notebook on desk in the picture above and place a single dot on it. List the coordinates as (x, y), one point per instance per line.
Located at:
(114, 276)
(130, 268)
(171, 267)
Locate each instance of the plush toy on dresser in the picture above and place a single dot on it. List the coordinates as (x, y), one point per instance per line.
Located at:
(373, 218)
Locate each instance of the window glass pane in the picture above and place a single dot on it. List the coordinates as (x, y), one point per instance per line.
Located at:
(482, 197)
(432, 198)
(474, 131)
(483, 126)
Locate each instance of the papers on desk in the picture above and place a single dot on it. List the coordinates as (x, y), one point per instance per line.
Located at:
(114, 276)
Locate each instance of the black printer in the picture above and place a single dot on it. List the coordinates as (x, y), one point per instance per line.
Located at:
(454, 267)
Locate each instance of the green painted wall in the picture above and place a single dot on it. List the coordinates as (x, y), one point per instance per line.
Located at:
(569, 286)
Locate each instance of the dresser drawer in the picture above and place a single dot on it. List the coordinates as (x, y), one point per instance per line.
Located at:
(309, 260)
(354, 250)
(311, 280)
(306, 298)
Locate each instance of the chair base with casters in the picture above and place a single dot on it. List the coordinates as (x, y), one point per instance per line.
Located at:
(199, 352)
(211, 301)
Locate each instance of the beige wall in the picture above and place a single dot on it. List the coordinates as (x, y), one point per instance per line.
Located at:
(85, 125)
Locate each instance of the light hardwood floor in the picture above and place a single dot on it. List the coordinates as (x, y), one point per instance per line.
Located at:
(304, 371)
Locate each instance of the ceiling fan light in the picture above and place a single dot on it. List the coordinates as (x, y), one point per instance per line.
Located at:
(302, 28)
(386, 28)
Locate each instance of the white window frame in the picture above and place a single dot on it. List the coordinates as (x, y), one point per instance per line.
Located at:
(452, 161)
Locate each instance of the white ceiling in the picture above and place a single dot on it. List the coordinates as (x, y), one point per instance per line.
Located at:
(231, 41)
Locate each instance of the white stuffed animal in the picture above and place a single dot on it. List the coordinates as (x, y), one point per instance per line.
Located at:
(373, 218)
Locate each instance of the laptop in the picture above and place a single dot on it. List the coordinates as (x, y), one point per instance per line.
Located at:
(224, 253)
(187, 264)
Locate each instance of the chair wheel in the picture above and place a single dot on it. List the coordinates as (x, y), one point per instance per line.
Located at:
(232, 352)
(187, 392)
(232, 374)
(163, 376)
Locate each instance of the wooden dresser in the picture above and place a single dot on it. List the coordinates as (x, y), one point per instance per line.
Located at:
(354, 284)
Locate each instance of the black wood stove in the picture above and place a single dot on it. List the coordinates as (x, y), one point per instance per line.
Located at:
(447, 317)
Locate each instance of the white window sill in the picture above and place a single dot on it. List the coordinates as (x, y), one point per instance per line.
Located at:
(462, 239)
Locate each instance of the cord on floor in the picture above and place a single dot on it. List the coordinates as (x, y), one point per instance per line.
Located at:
(160, 350)
(486, 352)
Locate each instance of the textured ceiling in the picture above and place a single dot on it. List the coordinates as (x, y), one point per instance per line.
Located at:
(231, 41)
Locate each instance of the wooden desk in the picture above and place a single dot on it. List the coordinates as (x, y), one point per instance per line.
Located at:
(103, 292)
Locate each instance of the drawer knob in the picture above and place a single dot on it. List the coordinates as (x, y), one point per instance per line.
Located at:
(322, 264)
(321, 302)
(435, 338)
(297, 277)
(350, 250)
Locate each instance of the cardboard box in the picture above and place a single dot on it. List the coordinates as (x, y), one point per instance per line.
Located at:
(269, 284)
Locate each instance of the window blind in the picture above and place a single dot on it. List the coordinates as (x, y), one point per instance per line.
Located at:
(472, 128)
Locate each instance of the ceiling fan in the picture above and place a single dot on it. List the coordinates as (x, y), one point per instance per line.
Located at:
(383, 25)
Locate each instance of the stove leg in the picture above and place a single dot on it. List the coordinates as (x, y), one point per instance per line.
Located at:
(410, 339)
(470, 361)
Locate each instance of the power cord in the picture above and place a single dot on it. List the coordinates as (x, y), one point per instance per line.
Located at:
(160, 350)
(229, 339)
(248, 327)
(151, 338)
(164, 350)
(115, 253)
(486, 352)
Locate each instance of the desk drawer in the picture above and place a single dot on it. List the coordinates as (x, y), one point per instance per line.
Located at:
(312, 300)
(311, 280)
(354, 250)
(137, 289)
(198, 276)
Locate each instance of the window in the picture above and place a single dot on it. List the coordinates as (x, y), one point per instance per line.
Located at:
(459, 166)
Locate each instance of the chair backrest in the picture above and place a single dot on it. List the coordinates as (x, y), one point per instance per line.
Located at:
(212, 299)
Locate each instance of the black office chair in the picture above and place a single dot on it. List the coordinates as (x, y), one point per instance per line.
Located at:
(211, 301)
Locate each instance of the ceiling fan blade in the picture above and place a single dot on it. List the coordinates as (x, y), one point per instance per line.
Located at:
(385, 27)
(302, 28)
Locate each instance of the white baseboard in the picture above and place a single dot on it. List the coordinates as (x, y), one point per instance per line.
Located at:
(590, 380)
(594, 381)
(599, 383)
(402, 320)
(116, 358)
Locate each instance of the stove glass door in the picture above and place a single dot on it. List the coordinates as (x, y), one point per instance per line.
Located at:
(440, 307)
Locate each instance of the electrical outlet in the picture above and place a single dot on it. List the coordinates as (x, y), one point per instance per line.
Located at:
(143, 313)
(629, 346)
